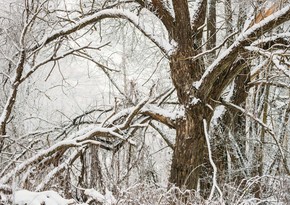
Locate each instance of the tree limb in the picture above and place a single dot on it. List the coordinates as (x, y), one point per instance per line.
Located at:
(225, 60)
(105, 14)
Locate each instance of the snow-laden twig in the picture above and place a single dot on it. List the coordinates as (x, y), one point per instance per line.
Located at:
(214, 180)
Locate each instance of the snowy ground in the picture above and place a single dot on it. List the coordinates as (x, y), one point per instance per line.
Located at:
(25, 197)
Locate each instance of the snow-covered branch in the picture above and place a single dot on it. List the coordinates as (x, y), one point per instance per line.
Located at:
(157, 113)
(224, 61)
(161, 43)
(214, 177)
(57, 170)
(276, 38)
(86, 136)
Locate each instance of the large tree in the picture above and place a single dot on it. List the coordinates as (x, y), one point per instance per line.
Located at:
(199, 73)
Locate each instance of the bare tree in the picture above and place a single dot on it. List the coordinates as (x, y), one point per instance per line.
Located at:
(200, 86)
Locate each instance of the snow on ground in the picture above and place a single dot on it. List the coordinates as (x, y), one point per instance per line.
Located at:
(25, 197)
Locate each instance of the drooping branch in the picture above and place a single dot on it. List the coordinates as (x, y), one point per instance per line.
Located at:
(83, 137)
(161, 115)
(38, 157)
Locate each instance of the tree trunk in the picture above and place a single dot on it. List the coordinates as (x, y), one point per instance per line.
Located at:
(190, 147)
